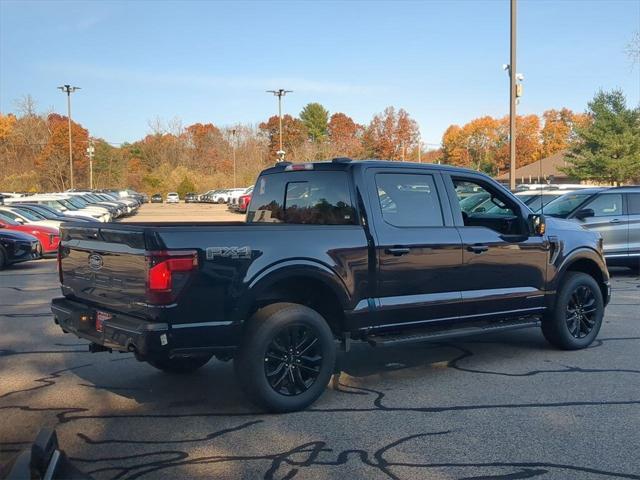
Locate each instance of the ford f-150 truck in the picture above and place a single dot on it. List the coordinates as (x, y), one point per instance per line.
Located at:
(330, 252)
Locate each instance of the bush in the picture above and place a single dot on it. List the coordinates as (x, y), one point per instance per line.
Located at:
(185, 186)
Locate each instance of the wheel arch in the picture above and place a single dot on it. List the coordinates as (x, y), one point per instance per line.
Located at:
(585, 261)
(307, 283)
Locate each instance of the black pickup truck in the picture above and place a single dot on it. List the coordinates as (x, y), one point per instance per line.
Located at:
(330, 252)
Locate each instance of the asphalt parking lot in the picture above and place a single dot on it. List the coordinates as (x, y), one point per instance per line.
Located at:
(505, 406)
(185, 212)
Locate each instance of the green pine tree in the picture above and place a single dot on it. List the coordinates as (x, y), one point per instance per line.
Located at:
(608, 147)
(316, 118)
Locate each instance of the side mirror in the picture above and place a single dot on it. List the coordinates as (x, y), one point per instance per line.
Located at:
(585, 213)
(19, 220)
(537, 224)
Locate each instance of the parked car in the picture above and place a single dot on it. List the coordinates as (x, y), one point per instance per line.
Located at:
(46, 212)
(48, 237)
(173, 197)
(190, 198)
(613, 212)
(374, 251)
(234, 200)
(223, 196)
(156, 198)
(243, 203)
(61, 206)
(235, 193)
(17, 247)
(26, 217)
(537, 200)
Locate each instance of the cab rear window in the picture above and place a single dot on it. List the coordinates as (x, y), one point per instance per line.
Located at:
(312, 198)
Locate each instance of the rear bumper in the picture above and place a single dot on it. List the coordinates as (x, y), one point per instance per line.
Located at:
(144, 338)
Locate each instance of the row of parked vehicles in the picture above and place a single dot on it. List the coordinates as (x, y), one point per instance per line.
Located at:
(236, 198)
(30, 224)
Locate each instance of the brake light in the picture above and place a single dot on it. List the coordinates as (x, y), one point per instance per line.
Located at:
(163, 284)
(298, 166)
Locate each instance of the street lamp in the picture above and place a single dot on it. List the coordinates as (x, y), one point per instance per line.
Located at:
(68, 89)
(91, 152)
(234, 133)
(280, 93)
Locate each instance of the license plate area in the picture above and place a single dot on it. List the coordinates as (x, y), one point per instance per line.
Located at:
(101, 317)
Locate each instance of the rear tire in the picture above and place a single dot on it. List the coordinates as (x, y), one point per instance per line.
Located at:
(180, 365)
(576, 318)
(287, 357)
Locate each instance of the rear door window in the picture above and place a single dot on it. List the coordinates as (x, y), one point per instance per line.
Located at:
(312, 198)
(606, 205)
(409, 200)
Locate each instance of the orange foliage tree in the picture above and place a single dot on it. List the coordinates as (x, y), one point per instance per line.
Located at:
(391, 134)
(345, 136)
(294, 134)
(53, 161)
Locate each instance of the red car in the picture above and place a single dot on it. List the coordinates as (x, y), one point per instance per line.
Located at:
(243, 203)
(49, 237)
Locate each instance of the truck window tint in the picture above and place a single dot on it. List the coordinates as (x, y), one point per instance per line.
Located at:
(409, 200)
(634, 203)
(606, 205)
(317, 198)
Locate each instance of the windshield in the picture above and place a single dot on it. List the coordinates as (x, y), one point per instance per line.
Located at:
(29, 215)
(5, 217)
(76, 202)
(563, 206)
(67, 204)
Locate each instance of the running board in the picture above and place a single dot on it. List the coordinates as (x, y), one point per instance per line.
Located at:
(419, 336)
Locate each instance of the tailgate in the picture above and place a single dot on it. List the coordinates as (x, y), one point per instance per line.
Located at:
(105, 266)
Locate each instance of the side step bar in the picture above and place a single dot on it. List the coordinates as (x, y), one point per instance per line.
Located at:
(419, 336)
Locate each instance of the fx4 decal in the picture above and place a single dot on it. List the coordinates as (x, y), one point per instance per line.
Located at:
(228, 252)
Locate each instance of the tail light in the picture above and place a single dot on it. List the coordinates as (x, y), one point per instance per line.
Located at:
(244, 201)
(167, 273)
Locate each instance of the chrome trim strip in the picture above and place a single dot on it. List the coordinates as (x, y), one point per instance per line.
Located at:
(202, 324)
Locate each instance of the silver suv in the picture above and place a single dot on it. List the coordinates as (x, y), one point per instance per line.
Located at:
(613, 212)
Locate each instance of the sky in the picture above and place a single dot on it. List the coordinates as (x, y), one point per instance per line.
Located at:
(211, 61)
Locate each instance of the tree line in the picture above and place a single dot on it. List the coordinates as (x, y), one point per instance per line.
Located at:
(601, 144)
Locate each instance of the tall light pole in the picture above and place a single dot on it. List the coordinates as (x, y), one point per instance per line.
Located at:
(280, 93)
(234, 134)
(91, 150)
(512, 100)
(68, 89)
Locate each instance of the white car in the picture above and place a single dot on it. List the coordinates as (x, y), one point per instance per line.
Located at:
(173, 197)
(64, 203)
(236, 193)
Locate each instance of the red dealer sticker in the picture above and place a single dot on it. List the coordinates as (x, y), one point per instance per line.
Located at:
(100, 318)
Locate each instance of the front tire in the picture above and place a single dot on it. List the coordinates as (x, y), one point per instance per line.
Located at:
(287, 357)
(576, 317)
(180, 365)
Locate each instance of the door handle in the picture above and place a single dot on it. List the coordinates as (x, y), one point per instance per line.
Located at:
(615, 220)
(397, 251)
(478, 248)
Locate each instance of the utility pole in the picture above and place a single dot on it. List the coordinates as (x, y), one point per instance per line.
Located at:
(68, 89)
(280, 93)
(91, 150)
(512, 100)
(234, 133)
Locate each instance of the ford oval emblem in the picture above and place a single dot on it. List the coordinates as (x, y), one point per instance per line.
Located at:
(95, 261)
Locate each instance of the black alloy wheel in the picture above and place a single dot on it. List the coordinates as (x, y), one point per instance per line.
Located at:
(581, 312)
(293, 359)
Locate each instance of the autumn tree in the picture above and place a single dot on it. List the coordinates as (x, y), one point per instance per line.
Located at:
(345, 136)
(315, 118)
(391, 134)
(608, 147)
(53, 160)
(294, 134)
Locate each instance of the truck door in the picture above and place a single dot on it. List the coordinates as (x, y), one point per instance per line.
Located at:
(504, 267)
(418, 249)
